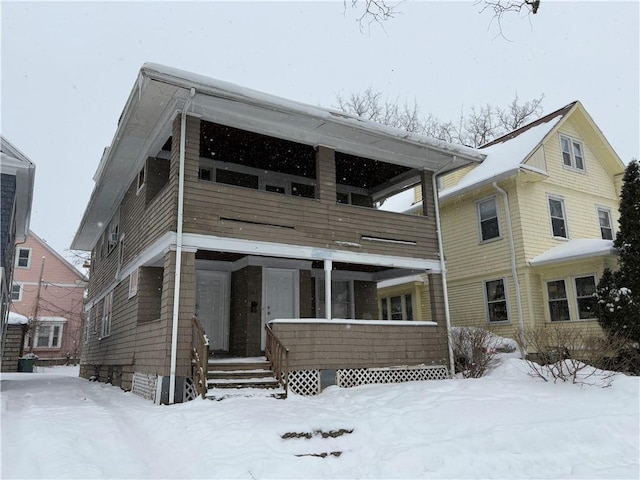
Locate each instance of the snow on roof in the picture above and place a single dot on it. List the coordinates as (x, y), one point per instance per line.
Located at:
(52, 319)
(400, 202)
(224, 89)
(575, 250)
(17, 319)
(504, 158)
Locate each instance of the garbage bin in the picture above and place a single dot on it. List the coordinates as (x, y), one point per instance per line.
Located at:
(26, 364)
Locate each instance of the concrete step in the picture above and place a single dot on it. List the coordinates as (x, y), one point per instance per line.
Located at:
(225, 393)
(249, 382)
(239, 374)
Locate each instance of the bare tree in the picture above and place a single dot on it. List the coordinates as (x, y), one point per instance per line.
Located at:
(473, 129)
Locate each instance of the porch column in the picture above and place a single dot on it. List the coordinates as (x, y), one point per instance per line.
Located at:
(326, 174)
(328, 266)
(427, 191)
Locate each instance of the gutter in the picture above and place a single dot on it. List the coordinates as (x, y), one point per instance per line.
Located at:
(176, 289)
(514, 270)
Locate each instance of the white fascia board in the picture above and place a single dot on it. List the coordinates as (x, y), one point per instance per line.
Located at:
(252, 247)
(400, 281)
(347, 321)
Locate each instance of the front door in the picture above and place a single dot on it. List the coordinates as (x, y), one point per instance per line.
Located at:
(212, 307)
(281, 295)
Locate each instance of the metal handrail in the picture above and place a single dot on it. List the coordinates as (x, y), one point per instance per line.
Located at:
(199, 356)
(278, 356)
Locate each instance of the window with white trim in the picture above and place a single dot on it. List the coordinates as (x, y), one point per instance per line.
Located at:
(496, 301)
(23, 258)
(397, 307)
(341, 298)
(141, 179)
(604, 220)
(133, 283)
(488, 219)
(558, 217)
(88, 326)
(558, 301)
(572, 153)
(112, 233)
(106, 315)
(585, 296)
(16, 292)
(49, 335)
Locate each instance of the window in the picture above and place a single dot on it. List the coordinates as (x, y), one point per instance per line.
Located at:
(48, 335)
(496, 298)
(557, 214)
(303, 190)
(341, 305)
(585, 297)
(106, 315)
(16, 292)
(488, 218)
(604, 219)
(397, 307)
(112, 233)
(133, 283)
(558, 303)
(141, 179)
(572, 153)
(88, 326)
(205, 174)
(239, 179)
(23, 259)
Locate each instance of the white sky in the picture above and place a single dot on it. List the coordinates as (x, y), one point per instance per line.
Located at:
(67, 69)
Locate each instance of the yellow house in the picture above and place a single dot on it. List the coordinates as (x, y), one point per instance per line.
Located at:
(528, 232)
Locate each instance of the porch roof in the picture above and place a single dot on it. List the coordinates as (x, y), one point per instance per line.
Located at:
(160, 92)
(575, 250)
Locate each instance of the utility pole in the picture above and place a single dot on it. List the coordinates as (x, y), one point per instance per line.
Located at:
(34, 318)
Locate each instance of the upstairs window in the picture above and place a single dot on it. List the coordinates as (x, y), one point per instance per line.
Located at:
(488, 219)
(558, 218)
(23, 258)
(572, 153)
(16, 292)
(141, 179)
(604, 220)
(106, 315)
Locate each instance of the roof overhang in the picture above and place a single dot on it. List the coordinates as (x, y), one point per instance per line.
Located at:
(575, 250)
(160, 92)
(14, 162)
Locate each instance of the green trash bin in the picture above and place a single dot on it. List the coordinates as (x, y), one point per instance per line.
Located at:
(26, 364)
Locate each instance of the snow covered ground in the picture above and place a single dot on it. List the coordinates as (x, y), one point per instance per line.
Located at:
(505, 425)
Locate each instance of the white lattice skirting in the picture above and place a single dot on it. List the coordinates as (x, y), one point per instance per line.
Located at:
(144, 385)
(360, 376)
(307, 382)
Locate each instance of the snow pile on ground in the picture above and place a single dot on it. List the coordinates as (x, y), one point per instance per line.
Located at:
(505, 425)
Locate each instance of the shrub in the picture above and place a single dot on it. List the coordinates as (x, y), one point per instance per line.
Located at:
(475, 349)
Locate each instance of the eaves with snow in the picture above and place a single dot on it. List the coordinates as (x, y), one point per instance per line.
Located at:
(574, 250)
(160, 92)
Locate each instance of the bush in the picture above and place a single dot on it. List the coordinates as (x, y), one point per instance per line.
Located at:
(475, 349)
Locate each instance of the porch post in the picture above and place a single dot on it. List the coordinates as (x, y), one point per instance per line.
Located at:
(328, 266)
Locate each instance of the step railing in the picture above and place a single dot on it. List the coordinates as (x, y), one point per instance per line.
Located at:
(278, 356)
(199, 356)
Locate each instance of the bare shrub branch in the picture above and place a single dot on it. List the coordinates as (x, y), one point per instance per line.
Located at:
(475, 350)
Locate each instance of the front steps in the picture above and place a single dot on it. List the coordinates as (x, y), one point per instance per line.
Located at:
(241, 377)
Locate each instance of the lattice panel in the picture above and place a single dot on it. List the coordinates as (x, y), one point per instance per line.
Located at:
(305, 382)
(144, 385)
(360, 376)
(190, 390)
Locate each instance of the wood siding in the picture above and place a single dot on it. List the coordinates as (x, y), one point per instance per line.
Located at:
(329, 345)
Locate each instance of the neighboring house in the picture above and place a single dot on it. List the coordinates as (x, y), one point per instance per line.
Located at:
(268, 205)
(17, 175)
(528, 232)
(49, 291)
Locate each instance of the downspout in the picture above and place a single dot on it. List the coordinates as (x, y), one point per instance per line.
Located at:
(443, 270)
(514, 271)
(176, 288)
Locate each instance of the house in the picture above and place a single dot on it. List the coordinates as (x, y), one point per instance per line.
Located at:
(17, 175)
(528, 232)
(255, 218)
(49, 291)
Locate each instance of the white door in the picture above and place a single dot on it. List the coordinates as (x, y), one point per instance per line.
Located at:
(280, 295)
(212, 307)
